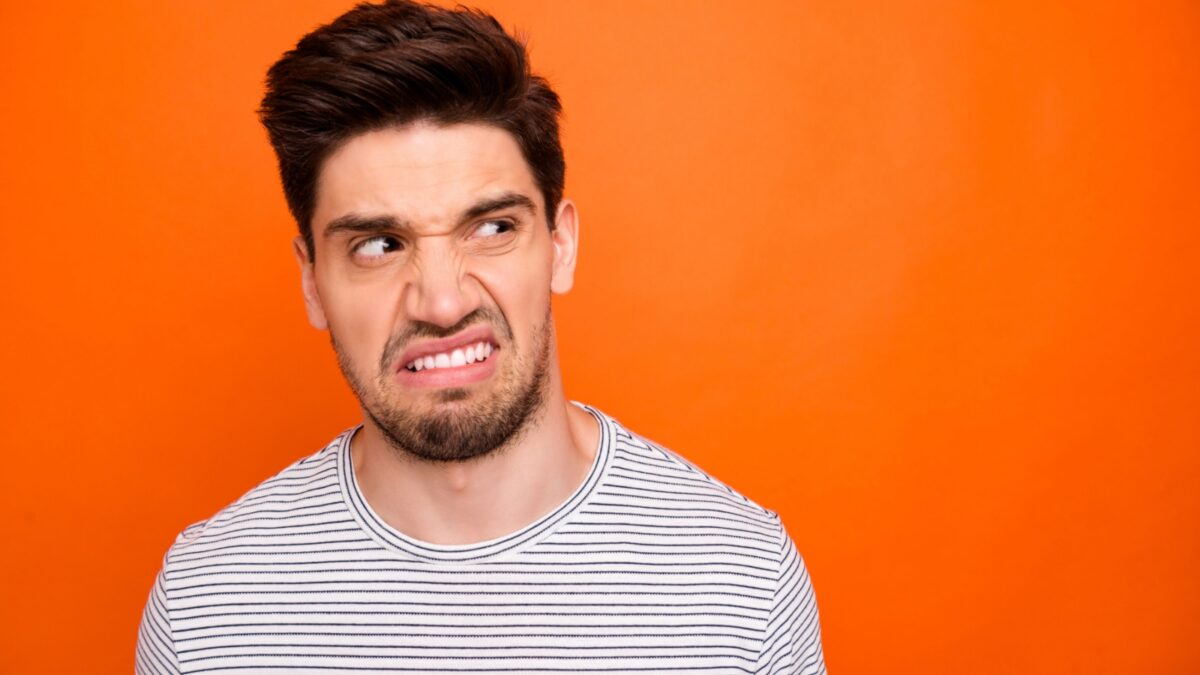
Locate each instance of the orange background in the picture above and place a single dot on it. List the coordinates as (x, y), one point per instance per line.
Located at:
(920, 276)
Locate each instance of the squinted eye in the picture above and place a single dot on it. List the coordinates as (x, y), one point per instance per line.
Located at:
(494, 227)
(376, 247)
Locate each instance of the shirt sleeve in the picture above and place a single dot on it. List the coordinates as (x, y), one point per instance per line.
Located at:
(156, 642)
(792, 643)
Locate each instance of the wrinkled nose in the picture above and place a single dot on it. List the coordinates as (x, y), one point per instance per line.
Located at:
(440, 291)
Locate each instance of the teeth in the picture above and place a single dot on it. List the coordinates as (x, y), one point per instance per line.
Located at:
(459, 357)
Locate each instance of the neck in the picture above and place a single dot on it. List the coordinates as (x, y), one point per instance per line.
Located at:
(487, 497)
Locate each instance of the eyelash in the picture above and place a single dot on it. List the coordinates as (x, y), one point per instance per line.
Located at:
(504, 227)
(357, 249)
(508, 224)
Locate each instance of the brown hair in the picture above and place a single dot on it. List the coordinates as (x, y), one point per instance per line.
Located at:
(394, 63)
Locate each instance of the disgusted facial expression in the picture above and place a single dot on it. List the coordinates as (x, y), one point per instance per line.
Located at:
(433, 270)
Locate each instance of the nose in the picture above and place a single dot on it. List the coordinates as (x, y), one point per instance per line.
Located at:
(440, 291)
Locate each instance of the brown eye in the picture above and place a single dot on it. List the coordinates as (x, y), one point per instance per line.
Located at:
(376, 247)
(494, 227)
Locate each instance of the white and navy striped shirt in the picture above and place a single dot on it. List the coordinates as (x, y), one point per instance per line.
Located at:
(651, 566)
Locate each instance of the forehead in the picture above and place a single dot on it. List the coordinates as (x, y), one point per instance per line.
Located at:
(424, 173)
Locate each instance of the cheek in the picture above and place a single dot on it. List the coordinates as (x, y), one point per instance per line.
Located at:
(520, 287)
(361, 317)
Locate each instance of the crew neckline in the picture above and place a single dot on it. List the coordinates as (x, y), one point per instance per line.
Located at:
(484, 551)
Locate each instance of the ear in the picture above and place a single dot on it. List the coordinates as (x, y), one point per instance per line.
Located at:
(308, 283)
(565, 239)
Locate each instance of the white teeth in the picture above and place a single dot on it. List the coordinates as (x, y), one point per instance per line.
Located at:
(459, 357)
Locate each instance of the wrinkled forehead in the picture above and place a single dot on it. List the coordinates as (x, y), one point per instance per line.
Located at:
(422, 173)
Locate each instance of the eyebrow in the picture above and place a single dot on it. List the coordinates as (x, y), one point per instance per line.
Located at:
(353, 222)
(507, 200)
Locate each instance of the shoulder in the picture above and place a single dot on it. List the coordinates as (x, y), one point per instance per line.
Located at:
(307, 487)
(651, 473)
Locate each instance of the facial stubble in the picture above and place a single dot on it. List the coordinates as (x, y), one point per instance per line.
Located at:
(462, 430)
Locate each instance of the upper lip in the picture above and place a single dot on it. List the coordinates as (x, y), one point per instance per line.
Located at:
(464, 338)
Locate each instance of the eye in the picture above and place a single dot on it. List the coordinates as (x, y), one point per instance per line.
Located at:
(492, 228)
(376, 247)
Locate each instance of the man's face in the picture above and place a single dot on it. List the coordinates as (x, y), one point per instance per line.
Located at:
(433, 272)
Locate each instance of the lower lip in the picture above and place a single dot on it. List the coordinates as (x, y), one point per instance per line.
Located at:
(459, 376)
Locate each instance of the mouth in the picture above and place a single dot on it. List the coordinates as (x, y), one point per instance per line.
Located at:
(459, 360)
(454, 358)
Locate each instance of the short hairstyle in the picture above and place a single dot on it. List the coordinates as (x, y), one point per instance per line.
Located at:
(390, 64)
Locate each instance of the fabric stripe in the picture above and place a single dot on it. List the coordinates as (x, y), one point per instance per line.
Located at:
(649, 566)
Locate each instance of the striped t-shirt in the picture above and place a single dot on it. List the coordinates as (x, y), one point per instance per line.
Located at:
(650, 566)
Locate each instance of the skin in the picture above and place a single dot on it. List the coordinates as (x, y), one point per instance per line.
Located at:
(431, 265)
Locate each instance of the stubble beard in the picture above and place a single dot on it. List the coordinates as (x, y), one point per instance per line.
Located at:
(461, 431)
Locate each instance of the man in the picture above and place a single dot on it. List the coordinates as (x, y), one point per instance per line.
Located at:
(476, 520)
